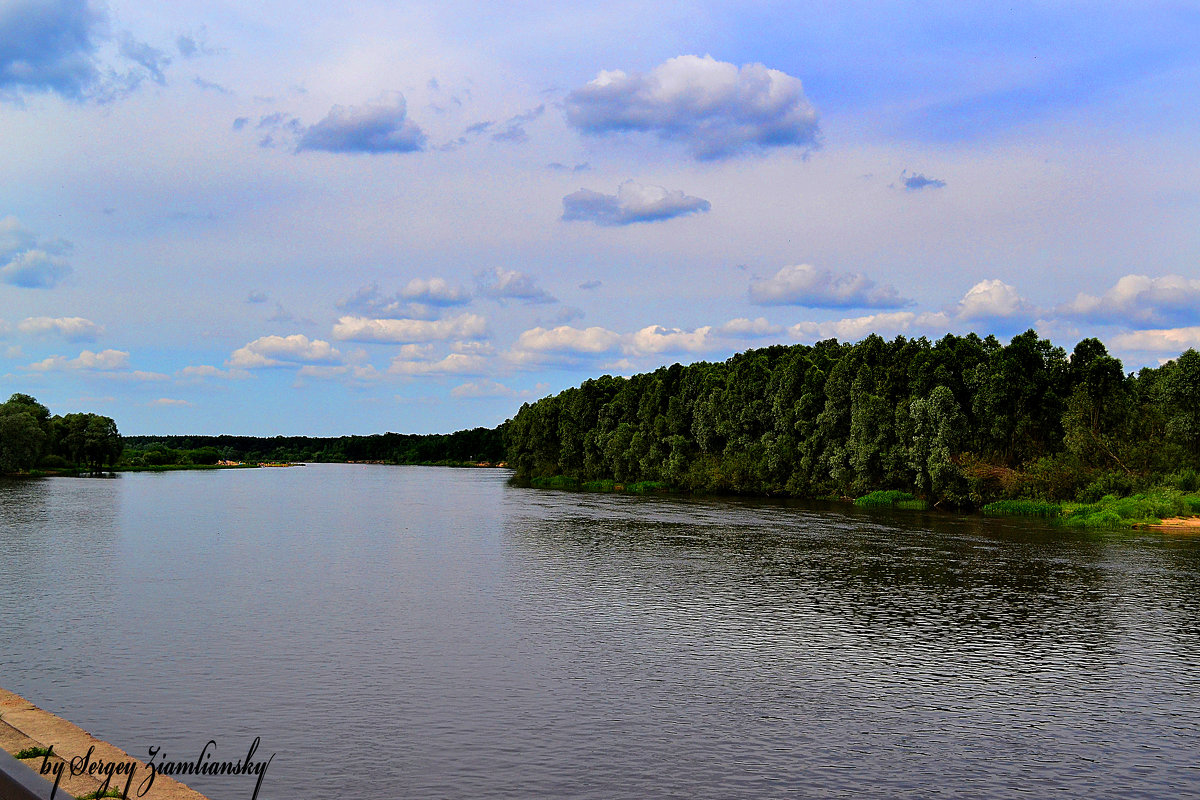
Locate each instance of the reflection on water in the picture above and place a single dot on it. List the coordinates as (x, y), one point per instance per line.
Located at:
(413, 632)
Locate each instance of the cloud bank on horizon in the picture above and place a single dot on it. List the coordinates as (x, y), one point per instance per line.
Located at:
(415, 219)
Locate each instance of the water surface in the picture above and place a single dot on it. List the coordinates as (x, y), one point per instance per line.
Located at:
(424, 633)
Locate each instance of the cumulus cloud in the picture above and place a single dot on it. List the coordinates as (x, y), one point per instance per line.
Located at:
(990, 300)
(917, 181)
(567, 340)
(817, 287)
(657, 339)
(383, 128)
(749, 328)
(55, 46)
(420, 299)
(632, 203)
(73, 329)
(1141, 299)
(170, 401)
(49, 45)
(714, 108)
(435, 292)
(510, 284)
(363, 329)
(855, 328)
(29, 262)
(274, 351)
(452, 364)
(1167, 341)
(87, 360)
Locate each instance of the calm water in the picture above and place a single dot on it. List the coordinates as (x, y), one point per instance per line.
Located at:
(402, 632)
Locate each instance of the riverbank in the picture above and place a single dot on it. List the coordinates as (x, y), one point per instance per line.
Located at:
(25, 727)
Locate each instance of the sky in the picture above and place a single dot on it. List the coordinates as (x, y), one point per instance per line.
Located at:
(284, 219)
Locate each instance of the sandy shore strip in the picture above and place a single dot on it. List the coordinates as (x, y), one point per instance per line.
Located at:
(24, 725)
(1178, 525)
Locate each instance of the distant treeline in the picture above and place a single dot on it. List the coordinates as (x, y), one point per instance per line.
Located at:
(960, 422)
(467, 446)
(31, 438)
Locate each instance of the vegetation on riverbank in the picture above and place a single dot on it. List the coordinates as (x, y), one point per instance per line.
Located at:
(31, 438)
(1143, 508)
(966, 422)
(462, 448)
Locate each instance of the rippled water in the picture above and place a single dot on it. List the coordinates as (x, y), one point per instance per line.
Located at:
(424, 633)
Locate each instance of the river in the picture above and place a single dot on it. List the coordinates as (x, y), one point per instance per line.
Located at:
(408, 632)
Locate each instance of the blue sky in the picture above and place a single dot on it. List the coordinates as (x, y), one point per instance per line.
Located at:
(414, 217)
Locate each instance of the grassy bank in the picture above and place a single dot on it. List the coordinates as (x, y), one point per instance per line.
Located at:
(1110, 511)
(574, 484)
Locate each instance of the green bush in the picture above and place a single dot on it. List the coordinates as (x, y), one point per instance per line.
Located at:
(555, 482)
(883, 499)
(1022, 508)
(646, 487)
(1186, 480)
(1108, 483)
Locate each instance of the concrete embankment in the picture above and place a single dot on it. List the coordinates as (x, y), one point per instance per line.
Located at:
(23, 725)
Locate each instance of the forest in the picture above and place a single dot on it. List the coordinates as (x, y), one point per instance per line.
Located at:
(462, 447)
(30, 437)
(962, 422)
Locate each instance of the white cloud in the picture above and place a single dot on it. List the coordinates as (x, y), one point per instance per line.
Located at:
(510, 284)
(382, 128)
(818, 287)
(369, 301)
(362, 329)
(855, 328)
(1140, 299)
(657, 339)
(170, 401)
(565, 339)
(452, 364)
(35, 269)
(435, 292)
(632, 203)
(1167, 340)
(87, 360)
(272, 351)
(73, 329)
(749, 328)
(992, 299)
(714, 108)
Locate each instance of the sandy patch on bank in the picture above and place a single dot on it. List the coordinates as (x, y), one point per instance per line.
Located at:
(1179, 525)
(22, 725)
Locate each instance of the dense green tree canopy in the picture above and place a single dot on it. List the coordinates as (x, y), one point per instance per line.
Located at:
(30, 436)
(959, 421)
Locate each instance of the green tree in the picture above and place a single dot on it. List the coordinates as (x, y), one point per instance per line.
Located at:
(21, 441)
